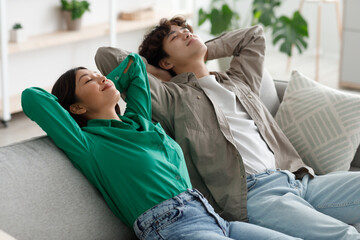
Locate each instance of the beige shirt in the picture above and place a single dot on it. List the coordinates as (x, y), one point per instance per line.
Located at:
(256, 155)
(215, 166)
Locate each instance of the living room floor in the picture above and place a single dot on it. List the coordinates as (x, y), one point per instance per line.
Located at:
(21, 128)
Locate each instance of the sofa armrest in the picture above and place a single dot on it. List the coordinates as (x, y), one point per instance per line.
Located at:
(281, 87)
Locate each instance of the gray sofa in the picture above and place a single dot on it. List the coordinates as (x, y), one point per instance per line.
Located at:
(42, 196)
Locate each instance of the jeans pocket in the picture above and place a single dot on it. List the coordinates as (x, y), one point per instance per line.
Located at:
(251, 183)
(164, 225)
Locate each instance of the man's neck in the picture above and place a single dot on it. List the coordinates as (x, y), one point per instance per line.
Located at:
(198, 68)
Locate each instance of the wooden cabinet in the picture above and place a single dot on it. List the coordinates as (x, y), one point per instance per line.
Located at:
(350, 52)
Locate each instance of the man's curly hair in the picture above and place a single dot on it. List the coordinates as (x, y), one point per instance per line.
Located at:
(152, 46)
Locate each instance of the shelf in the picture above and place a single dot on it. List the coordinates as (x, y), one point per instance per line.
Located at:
(59, 38)
(87, 33)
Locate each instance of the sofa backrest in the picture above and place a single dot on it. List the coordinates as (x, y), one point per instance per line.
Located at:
(43, 196)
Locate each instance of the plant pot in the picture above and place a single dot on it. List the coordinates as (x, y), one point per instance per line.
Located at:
(17, 35)
(71, 25)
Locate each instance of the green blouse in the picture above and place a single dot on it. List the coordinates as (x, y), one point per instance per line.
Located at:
(133, 163)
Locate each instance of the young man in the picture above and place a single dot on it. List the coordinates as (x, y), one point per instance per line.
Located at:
(233, 147)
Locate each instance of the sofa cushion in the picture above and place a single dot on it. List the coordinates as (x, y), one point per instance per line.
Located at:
(322, 123)
(356, 161)
(268, 93)
(43, 196)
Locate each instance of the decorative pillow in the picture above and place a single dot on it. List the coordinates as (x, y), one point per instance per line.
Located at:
(322, 123)
(268, 93)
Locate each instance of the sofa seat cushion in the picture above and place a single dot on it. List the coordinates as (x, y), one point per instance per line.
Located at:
(43, 196)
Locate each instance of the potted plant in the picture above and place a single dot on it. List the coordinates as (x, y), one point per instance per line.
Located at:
(73, 11)
(288, 31)
(17, 33)
(221, 17)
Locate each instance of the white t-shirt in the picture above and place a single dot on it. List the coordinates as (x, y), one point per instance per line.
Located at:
(256, 155)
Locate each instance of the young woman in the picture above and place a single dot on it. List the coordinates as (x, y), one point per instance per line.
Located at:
(139, 170)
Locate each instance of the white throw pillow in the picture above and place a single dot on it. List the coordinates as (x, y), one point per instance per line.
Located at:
(268, 93)
(322, 123)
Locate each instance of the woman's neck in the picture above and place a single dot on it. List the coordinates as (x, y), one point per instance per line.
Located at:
(110, 115)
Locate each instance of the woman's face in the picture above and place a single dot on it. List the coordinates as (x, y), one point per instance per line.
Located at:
(95, 92)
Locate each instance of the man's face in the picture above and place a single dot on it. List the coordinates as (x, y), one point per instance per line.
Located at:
(183, 47)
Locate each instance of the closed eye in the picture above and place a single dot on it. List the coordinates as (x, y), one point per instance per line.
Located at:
(88, 80)
(173, 38)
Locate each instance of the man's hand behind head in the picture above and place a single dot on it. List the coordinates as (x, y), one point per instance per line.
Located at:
(161, 74)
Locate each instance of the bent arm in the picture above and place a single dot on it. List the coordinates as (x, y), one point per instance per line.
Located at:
(247, 46)
(131, 76)
(161, 74)
(43, 108)
(108, 58)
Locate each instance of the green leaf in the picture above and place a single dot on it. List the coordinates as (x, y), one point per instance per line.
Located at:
(289, 32)
(65, 6)
(203, 16)
(220, 19)
(17, 26)
(220, 16)
(264, 11)
(77, 8)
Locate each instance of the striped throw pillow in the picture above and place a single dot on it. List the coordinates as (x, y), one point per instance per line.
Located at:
(322, 123)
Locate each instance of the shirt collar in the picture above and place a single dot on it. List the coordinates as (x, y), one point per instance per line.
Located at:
(124, 123)
(187, 77)
(184, 78)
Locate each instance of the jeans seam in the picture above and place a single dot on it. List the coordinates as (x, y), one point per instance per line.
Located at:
(336, 205)
(213, 214)
(145, 232)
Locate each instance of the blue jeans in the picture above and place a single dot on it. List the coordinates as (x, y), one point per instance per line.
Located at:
(318, 208)
(190, 216)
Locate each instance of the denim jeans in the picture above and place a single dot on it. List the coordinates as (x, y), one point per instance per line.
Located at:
(318, 208)
(190, 216)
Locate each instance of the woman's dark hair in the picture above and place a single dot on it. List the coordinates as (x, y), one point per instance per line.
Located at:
(64, 90)
(152, 46)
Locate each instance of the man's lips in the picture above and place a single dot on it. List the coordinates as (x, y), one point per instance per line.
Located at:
(107, 85)
(189, 42)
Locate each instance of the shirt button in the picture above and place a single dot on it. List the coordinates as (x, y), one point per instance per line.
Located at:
(198, 97)
(177, 177)
(249, 96)
(117, 77)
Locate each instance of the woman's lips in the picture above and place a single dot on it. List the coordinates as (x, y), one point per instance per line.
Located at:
(107, 85)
